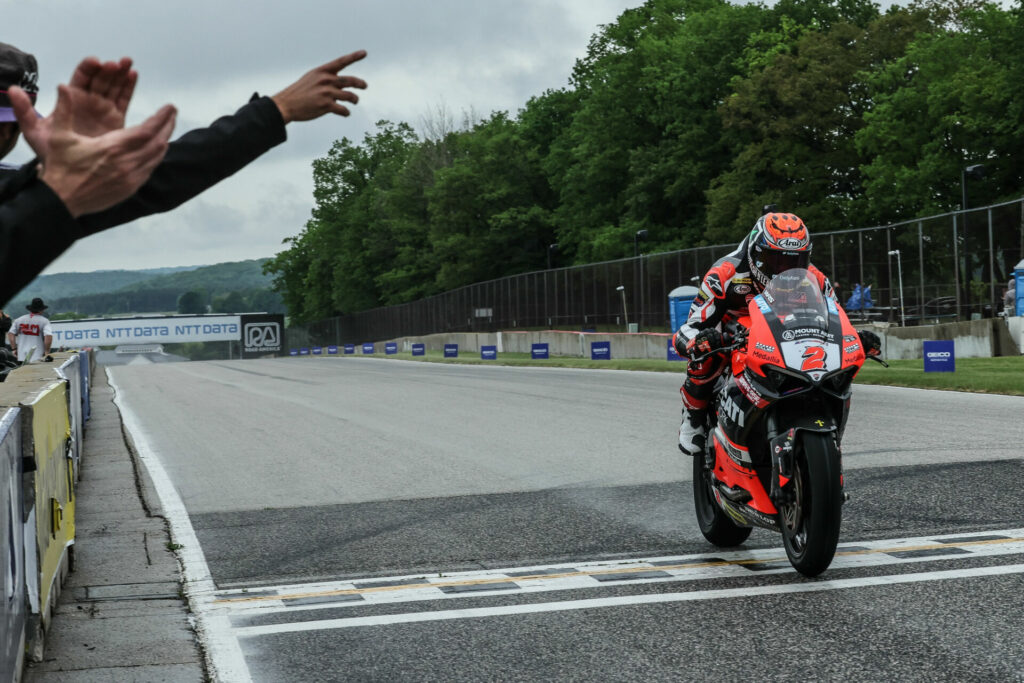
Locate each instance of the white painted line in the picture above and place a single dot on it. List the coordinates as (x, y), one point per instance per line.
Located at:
(573, 605)
(583, 575)
(223, 654)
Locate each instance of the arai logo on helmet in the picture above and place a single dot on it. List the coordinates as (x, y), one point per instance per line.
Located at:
(791, 243)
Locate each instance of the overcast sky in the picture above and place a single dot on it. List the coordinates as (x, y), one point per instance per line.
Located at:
(208, 57)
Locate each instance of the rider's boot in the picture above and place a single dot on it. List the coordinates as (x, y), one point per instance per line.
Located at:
(693, 432)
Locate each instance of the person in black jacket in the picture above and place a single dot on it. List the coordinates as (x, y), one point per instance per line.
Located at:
(37, 225)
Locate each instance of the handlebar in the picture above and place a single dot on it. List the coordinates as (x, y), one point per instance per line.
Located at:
(738, 341)
(878, 360)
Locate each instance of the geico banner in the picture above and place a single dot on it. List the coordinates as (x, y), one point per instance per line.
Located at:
(262, 335)
(170, 329)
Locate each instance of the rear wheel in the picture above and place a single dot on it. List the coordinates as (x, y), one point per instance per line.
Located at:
(810, 524)
(714, 523)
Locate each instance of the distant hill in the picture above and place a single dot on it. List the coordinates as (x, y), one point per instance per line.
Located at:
(153, 291)
(60, 285)
(221, 278)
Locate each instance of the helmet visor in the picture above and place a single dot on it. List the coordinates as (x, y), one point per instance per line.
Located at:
(771, 262)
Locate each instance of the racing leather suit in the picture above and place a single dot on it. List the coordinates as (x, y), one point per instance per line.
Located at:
(724, 295)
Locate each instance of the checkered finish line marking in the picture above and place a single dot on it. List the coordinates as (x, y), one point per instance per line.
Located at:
(620, 572)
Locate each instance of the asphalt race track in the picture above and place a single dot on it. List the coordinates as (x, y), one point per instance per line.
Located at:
(368, 519)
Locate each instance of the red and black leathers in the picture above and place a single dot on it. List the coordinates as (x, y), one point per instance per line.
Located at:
(724, 295)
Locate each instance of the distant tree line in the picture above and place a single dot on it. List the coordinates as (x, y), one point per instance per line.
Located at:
(165, 301)
(683, 119)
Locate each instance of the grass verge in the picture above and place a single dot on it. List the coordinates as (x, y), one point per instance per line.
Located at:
(1003, 375)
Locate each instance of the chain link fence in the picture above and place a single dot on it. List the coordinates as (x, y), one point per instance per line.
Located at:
(953, 266)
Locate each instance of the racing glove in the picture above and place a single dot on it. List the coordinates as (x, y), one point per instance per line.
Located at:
(707, 341)
(870, 342)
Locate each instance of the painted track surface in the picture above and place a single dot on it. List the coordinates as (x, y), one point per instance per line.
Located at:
(370, 468)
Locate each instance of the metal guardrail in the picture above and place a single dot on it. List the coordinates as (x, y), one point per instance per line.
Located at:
(952, 266)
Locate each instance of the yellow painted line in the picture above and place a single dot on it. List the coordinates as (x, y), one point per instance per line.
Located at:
(627, 570)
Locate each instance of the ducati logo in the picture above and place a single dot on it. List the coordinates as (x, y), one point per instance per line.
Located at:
(733, 411)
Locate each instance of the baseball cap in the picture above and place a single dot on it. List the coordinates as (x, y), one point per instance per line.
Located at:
(20, 69)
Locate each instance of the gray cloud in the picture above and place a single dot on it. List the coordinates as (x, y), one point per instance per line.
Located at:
(208, 57)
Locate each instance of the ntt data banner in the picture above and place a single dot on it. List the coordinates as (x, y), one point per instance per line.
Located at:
(142, 330)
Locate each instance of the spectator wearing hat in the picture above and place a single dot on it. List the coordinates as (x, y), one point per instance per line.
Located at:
(31, 335)
(92, 107)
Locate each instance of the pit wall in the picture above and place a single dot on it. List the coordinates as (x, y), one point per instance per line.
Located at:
(973, 339)
(42, 409)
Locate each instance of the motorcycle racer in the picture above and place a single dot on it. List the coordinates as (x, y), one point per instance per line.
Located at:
(778, 242)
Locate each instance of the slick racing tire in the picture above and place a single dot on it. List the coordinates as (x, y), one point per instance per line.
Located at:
(810, 525)
(716, 526)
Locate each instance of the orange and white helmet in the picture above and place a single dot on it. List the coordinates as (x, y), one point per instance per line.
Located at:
(778, 242)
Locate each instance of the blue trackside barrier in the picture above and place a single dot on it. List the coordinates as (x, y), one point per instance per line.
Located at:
(489, 352)
(350, 348)
(670, 353)
(83, 366)
(318, 350)
(539, 351)
(419, 349)
(332, 350)
(367, 348)
(451, 350)
(600, 350)
(293, 352)
(939, 356)
(391, 348)
(304, 351)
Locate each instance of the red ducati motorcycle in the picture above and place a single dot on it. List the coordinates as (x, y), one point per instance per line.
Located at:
(773, 458)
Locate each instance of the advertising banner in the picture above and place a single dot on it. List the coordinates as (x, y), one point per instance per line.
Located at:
(391, 348)
(419, 349)
(83, 365)
(293, 352)
(939, 356)
(600, 350)
(451, 350)
(367, 348)
(54, 491)
(262, 335)
(164, 329)
(304, 351)
(332, 350)
(539, 350)
(12, 546)
(69, 370)
(318, 350)
(671, 352)
(489, 352)
(350, 348)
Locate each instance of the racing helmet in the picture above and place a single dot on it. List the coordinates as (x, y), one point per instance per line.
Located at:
(778, 242)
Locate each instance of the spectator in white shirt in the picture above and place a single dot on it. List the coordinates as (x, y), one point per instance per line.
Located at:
(31, 335)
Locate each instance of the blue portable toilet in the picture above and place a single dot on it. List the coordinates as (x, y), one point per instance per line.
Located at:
(1018, 276)
(679, 301)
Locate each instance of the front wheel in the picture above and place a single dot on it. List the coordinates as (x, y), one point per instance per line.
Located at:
(714, 523)
(810, 524)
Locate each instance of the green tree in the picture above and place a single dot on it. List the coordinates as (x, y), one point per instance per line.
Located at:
(192, 302)
(953, 99)
(232, 302)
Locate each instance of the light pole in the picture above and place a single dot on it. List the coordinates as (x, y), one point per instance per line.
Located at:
(640, 235)
(552, 248)
(976, 171)
(621, 289)
(899, 272)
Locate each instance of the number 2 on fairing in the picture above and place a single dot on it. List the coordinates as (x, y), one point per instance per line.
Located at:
(814, 358)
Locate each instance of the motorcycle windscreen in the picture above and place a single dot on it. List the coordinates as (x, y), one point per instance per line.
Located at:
(805, 323)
